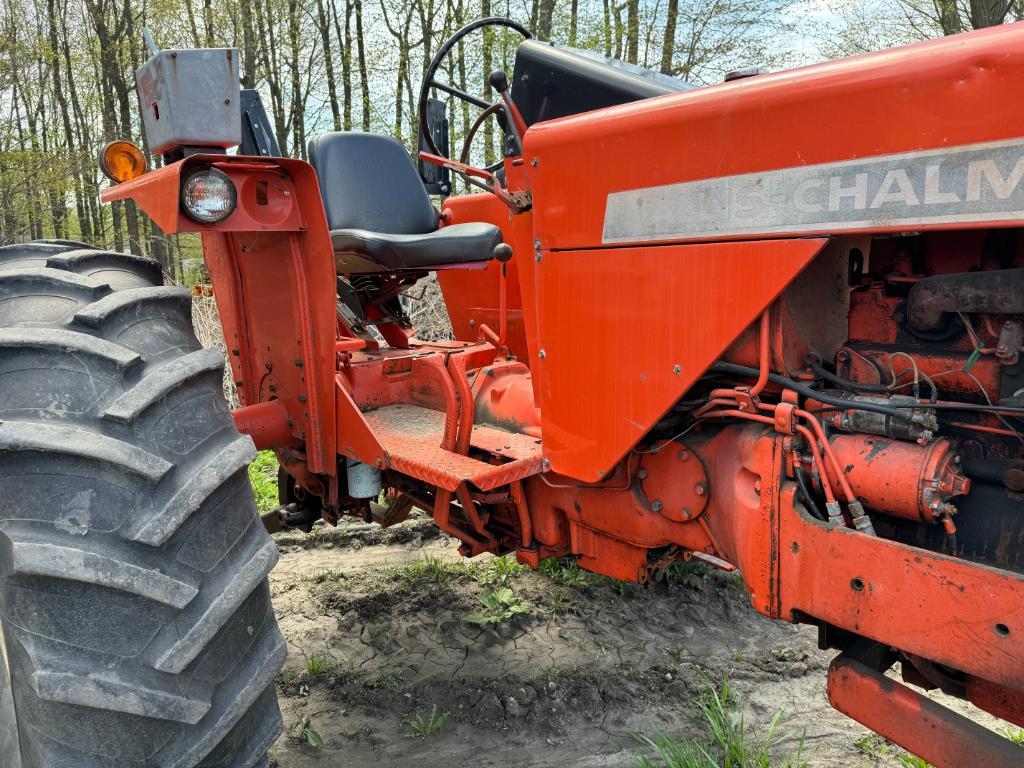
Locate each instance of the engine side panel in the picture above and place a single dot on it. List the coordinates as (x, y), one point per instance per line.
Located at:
(796, 152)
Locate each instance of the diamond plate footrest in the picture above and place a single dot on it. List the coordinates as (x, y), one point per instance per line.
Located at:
(412, 435)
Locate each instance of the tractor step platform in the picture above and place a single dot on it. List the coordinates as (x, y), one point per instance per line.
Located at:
(412, 435)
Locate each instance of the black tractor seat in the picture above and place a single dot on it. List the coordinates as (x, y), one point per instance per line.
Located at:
(379, 214)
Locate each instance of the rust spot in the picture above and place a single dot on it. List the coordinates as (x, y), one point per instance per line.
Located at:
(795, 547)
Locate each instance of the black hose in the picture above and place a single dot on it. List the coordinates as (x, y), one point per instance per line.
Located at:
(806, 391)
(801, 483)
(856, 405)
(839, 381)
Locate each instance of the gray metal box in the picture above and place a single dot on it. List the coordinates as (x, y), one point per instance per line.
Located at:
(190, 98)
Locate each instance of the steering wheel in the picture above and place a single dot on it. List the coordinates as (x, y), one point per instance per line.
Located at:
(430, 81)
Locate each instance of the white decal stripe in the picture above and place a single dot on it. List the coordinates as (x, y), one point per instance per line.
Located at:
(972, 183)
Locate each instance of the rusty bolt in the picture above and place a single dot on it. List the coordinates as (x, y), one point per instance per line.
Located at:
(700, 489)
(642, 474)
(684, 455)
(656, 505)
(843, 356)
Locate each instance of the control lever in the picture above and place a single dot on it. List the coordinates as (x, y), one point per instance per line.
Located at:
(503, 255)
(499, 82)
(477, 178)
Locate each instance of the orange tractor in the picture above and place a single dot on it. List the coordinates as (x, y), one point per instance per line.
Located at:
(773, 325)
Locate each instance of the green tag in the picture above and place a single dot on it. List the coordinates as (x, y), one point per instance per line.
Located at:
(972, 359)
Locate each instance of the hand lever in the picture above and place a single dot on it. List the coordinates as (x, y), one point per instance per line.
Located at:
(499, 82)
(502, 254)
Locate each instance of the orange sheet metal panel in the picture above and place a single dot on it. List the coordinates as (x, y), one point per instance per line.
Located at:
(796, 152)
(471, 295)
(624, 332)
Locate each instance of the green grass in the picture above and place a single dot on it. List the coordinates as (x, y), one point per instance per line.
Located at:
(426, 726)
(327, 576)
(499, 571)
(433, 570)
(727, 741)
(874, 746)
(315, 666)
(1016, 735)
(565, 571)
(263, 476)
(385, 681)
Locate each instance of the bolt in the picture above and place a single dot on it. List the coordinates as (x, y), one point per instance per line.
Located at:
(642, 474)
(757, 487)
(533, 162)
(302, 398)
(700, 489)
(656, 505)
(545, 464)
(300, 363)
(743, 406)
(227, 101)
(677, 369)
(542, 354)
(686, 513)
(843, 356)
(472, 322)
(684, 455)
(378, 462)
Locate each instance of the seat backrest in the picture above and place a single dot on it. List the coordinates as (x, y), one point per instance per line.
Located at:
(369, 182)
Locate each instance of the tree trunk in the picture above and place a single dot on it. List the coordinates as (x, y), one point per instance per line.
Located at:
(668, 41)
(633, 31)
(545, 14)
(324, 27)
(988, 13)
(364, 80)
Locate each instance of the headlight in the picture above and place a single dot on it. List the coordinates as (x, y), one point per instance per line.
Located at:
(208, 196)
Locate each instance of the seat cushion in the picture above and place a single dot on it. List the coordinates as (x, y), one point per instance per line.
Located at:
(455, 244)
(369, 182)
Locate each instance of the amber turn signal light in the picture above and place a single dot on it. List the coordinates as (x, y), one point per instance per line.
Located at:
(122, 161)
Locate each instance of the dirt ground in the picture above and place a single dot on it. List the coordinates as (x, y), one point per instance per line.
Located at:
(378, 632)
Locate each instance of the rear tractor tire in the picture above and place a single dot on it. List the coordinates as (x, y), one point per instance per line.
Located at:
(136, 629)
